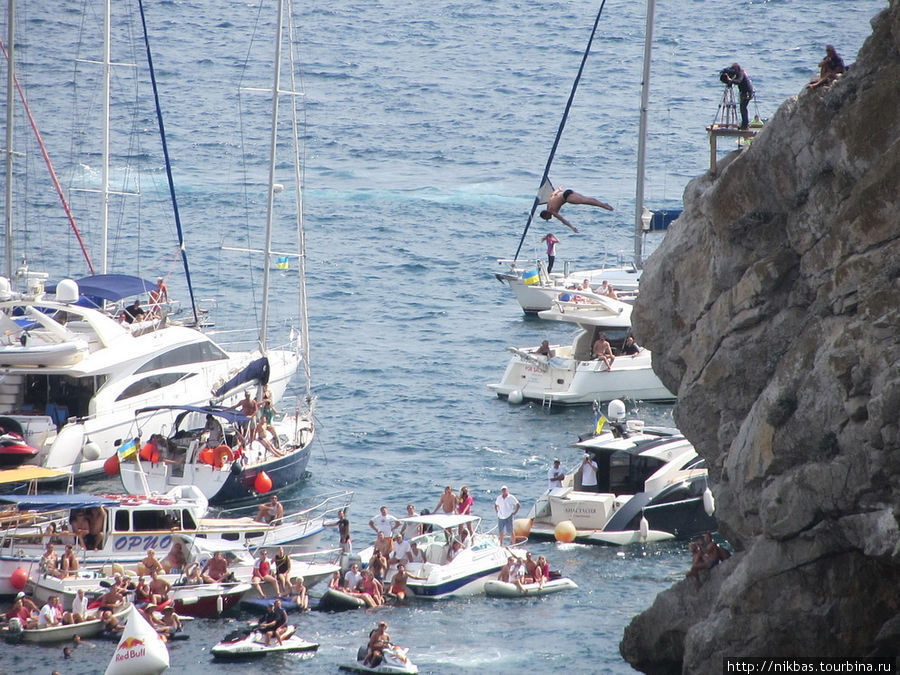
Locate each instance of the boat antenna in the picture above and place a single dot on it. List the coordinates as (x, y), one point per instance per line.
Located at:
(562, 124)
(165, 149)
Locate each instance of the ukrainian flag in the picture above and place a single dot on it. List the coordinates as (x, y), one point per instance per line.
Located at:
(598, 428)
(531, 277)
(282, 263)
(128, 449)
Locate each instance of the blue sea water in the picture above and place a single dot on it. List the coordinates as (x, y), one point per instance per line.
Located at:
(426, 128)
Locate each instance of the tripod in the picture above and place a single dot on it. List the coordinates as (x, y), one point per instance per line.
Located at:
(727, 114)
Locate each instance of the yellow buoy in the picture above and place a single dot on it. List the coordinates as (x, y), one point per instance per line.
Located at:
(565, 531)
(521, 528)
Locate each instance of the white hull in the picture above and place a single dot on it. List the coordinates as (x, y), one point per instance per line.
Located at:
(254, 645)
(572, 381)
(85, 629)
(503, 589)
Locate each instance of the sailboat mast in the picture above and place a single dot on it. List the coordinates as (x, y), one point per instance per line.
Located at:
(270, 203)
(10, 83)
(642, 140)
(104, 171)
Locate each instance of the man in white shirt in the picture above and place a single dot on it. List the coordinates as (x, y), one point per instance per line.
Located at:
(506, 506)
(555, 475)
(384, 522)
(51, 613)
(79, 606)
(352, 577)
(402, 552)
(588, 474)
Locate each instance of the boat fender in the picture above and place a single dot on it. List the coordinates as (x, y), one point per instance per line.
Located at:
(515, 396)
(709, 501)
(236, 468)
(220, 604)
(645, 529)
(91, 451)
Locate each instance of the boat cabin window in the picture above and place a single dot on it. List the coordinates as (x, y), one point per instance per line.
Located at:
(155, 519)
(60, 396)
(694, 463)
(197, 352)
(122, 522)
(187, 520)
(615, 337)
(622, 472)
(152, 383)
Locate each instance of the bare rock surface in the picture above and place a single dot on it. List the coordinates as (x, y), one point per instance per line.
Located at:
(773, 310)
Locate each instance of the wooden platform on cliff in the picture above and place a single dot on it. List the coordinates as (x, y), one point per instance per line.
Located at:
(717, 131)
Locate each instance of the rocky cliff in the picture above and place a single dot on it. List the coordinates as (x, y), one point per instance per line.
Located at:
(773, 309)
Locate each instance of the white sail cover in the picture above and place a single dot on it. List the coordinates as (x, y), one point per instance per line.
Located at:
(141, 651)
(545, 191)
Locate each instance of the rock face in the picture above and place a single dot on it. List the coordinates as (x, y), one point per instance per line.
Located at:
(773, 309)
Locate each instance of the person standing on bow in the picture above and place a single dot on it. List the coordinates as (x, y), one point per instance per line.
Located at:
(552, 241)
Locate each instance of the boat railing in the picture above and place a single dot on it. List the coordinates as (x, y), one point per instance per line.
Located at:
(327, 503)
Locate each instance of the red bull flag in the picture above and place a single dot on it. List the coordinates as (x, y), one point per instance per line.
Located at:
(531, 277)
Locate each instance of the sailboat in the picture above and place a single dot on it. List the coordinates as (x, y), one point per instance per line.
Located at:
(532, 285)
(226, 455)
(72, 373)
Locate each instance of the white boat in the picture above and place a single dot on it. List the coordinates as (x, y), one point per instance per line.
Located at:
(63, 633)
(132, 524)
(494, 588)
(246, 644)
(651, 486)
(440, 578)
(534, 288)
(571, 375)
(395, 661)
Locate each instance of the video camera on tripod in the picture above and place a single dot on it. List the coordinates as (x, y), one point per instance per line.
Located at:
(728, 75)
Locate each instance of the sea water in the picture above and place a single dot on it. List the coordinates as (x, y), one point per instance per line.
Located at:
(426, 129)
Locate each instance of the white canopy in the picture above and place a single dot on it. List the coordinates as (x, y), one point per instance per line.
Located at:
(441, 520)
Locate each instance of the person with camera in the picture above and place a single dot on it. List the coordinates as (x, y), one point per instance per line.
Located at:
(732, 75)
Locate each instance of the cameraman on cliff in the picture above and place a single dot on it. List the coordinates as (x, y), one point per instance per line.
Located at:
(734, 74)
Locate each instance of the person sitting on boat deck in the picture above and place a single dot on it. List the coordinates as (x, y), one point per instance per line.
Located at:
(151, 563)
(544, 350)
(589, 470)
(25, 610)
(248, 408)
(158, 296)
(447, 501)
(81, 526)
(159, 588)
(398, 588)
(541, 571)
(611, 292)
(519, 575)
(384, 522)
(402, 550)
(299, 593)
(97, 518)
(829, 68)
(69, 565)
(262, 572)
(215, 435)
(372, 587)
(80, 606)
(734, 74)
(343, 526)
(508, 570)
(142, 594)
(552, 241)
(334, 582)
(50, 561)
(453, 549)
(282, 567)
(630, 348)
(383, 544)
(506, 506)
(112, 599)
(133, 312)
(215, 568)
(562, 196)
(379, 640)
(175, 561)
(555, 475)
(352, 577)
(270, 512)
(264, 427)
(52, 614)
(192, 575)
(602, 351)
(149, 614)
(378, 564)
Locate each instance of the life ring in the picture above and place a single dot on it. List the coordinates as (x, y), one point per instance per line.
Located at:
(221, 455)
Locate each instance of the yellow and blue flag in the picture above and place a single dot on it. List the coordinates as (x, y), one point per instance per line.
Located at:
(282, 263)
(598, 428)
(531, 277)
(128, 449)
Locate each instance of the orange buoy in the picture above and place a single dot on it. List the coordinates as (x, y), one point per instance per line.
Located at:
(221, 455)
(207, 456)
(262, 483)
(18, 578)
(521, 528)
(111, 465)
(565, 531)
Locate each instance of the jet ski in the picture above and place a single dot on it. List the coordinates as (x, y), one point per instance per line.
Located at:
(395, 660)
(250, 643)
